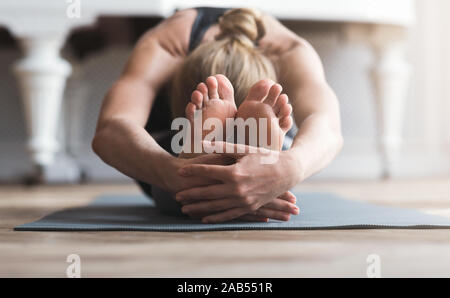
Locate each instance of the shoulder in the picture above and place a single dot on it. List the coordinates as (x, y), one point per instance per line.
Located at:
(279, 39)
(286, 48)
(173, 33)
(181, 17)
(161, 49)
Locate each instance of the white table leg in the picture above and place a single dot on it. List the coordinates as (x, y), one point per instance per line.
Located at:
(42, 75)
(390, 77)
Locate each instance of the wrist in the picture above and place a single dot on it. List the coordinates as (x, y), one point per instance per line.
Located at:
(295, 165)
(166, 168)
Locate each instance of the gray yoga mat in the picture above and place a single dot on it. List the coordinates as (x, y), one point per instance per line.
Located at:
(318, 212)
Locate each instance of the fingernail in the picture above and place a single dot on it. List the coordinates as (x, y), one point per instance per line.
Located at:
(182, 172)
(205, 221)
(178, 197)
(184, 210)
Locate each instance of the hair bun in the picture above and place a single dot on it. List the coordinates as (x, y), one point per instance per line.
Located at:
(243, 25)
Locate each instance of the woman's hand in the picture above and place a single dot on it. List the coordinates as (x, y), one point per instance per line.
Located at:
(280, 208)
(175, 183)
(246, 186)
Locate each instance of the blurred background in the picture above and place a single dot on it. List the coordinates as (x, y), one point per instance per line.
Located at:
(388, 61)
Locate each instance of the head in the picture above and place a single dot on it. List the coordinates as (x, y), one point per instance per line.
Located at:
(234, 53)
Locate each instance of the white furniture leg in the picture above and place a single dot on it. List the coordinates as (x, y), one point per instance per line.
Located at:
(390, 77)
(42, 75)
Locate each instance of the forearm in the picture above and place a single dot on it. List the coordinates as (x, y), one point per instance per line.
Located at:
(131, 150)
(316, 144)
(315, 110)
(319, 138)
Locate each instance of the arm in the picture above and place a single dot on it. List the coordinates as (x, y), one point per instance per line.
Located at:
(121, 140)
(315, 106)
(315, 110)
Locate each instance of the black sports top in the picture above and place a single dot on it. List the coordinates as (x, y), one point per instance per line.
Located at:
(206, 17)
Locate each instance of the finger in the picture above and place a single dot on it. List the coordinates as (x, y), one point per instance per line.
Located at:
(222, 173)
(253, 218)
(188, 202)
(273, 214)
(212, 192)
(225, 216)
(212, 159)
(288, 196)
(210, 207)
(198, 215)
(284, 206)
(225, 148)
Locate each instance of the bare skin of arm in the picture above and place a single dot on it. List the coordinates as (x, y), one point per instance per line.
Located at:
(315, 105)
(121, 140)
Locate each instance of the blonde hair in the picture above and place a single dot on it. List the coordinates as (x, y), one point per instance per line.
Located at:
(234, 53)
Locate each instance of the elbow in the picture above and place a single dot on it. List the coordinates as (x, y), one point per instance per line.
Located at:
(105, 139)
(339, 142)
(100, 142)
(336, 138)
(96, 144)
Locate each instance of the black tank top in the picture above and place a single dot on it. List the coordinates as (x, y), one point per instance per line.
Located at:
(160, 117)
(206, 17)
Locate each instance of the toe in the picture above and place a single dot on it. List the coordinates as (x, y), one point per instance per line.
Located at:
(281, 102)
(203, 89)
(213, 85)
(190, 111)
(225, 88)
(285, 117)
(285, 111)
(286, 123)
(197, 99)
(260, 90)
(274, 93)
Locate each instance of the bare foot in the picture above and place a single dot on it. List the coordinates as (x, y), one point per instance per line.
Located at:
(214, 99)
(265, 100)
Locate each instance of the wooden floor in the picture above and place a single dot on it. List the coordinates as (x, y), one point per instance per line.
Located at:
(225, 254)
